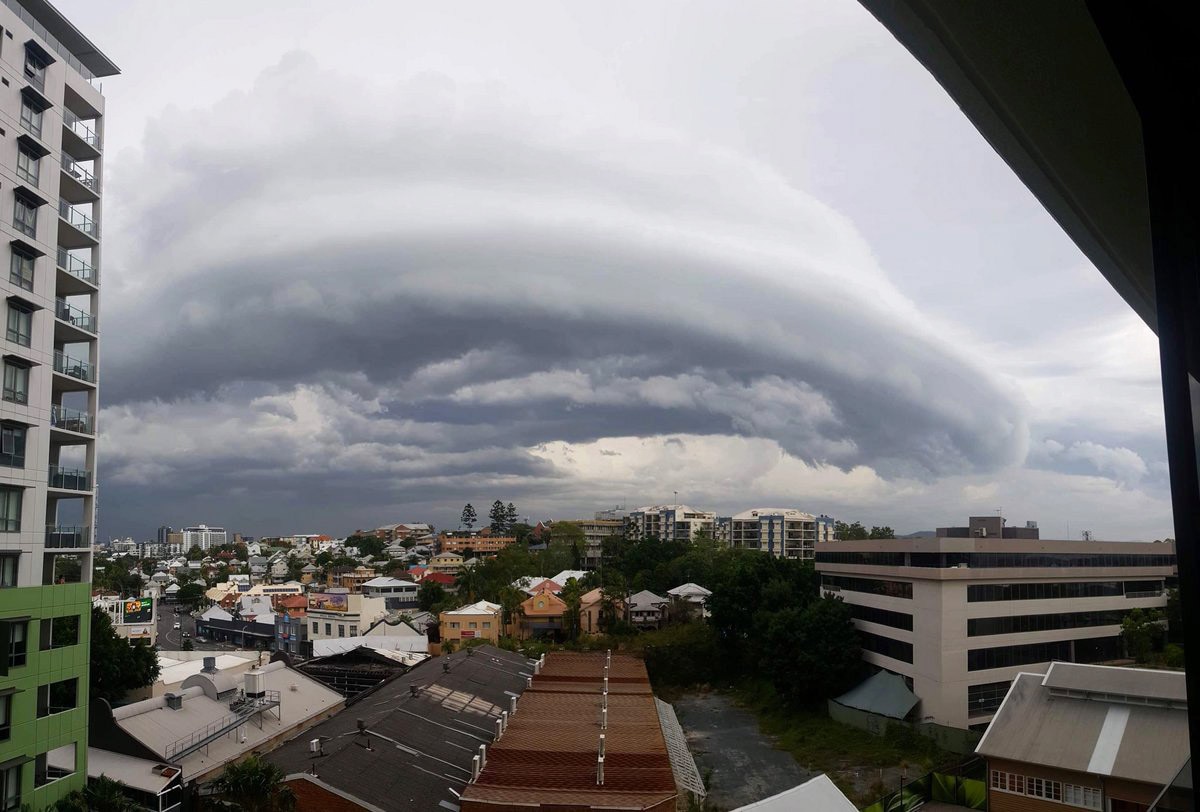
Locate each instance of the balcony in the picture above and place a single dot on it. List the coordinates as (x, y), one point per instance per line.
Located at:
(76, 229)
(79, 319)
(75, 270)
(78, 185)
(79, 138)
(70, 479)
(68, 538)
(74, 368)
(72, 420)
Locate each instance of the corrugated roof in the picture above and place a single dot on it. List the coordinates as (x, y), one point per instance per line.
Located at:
(549, 753)
(1102, 736)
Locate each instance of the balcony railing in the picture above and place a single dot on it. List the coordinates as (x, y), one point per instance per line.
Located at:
(76, 267)
(77, 218)
(77, 125)
(73, 315)
(68, 538)
(72, 420)
(71, 479)
(77, 171)
(73, 367)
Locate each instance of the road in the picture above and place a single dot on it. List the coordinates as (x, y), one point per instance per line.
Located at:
(741, 762)
(169, 638)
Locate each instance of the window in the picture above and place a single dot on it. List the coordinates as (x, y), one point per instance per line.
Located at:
(898, 620)
(1087, 650)
(8, 569)
(316, 627)
(60, 632)
(454, 624)
(12, 445)
(1043, 591)
(977, 627)
(20, 323)
(25, 216)
(16, 381)
(5, 717)
(986, 698)
(57, 697)
(871, 586)
(20, 269)
(472, 625)
(28, 166)
(1087, 797)
(329, 630)
(54, 764)
(487, 624)
(10, 789)
(896, 649)
(341, 630)
(31, 118)
(10, 510)
(354, 631)
(35, 69)
(18, 632)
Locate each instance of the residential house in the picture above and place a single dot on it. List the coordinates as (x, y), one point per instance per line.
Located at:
(446, 563)
(542, 613)
(647, 610)
(1087, 736)
(590, 607)
(475, 621)
(693, 594)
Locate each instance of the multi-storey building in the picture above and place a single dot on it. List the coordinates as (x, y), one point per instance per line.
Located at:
(961, 614)
(204, 537)
(51, 135)
(475, 545)
(605, 525)
(676, 522)
(825, 528)
(337, 613)
(781, 532)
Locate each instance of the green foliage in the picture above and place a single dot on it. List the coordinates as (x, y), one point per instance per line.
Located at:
(681, 656)
(190, 595)
(569, 537)
(468, 517)
(187, 645)
(117, 578)
(255, 785)
(812, 653)
(195, 554)
(1173, 656)
(430, 594)
(1142, 633)
(851, 532)
(118, 666)
(498, 518)
(101, 794)
(884, 532)
(1174, 616)
(367, 545)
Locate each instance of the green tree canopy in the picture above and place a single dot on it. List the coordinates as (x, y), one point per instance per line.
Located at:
(118, 665)
(498, 518)
(190, 595)
(195, 554)
(367, 545)
(255, 785)
(884, 532)
(430, 594)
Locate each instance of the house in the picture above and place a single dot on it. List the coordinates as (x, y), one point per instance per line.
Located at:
(446, 562)
(590, 607)
(398, 593)
(307, 573)
(542, 613)
(1090, 736)
(693, 594)
(475, 621)
(647, 610)
(291, 625)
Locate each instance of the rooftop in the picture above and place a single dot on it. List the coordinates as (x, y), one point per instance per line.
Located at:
(478, 608)
(787, 513)
(423, 741)
(1123, 722)
(63, 37)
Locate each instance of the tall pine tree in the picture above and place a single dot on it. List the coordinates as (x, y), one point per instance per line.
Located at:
(468, 516)
(510, 516)
(499, 518)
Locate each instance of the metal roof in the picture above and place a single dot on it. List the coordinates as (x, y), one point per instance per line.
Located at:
(814, 795)
(1140, 683)
(884, 693)
(1119, 737)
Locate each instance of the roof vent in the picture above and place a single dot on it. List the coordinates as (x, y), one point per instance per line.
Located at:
(174, 701)
(210, 666)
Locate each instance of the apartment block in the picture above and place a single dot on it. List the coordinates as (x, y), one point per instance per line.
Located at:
(781, 532)
(595, 531)
(960, 615)
(676, 522)
(51, 161)
(475, 545)
(204, 537)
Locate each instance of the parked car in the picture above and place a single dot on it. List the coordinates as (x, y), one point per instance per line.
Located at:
(177, 626)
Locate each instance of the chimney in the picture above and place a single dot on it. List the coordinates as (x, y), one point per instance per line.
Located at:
(210, 666)
(512, 705)
(482, 756)
(474, 768)
(499, 729)
(504, 721)
(174, 701)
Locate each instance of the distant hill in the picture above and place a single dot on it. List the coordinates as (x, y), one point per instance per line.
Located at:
(920, 534)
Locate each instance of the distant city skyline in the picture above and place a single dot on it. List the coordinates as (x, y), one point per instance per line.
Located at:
(751, 254)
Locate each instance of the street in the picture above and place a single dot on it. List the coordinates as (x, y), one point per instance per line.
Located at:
(169, 638)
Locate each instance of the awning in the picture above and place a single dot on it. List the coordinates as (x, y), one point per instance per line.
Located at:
(885, 694)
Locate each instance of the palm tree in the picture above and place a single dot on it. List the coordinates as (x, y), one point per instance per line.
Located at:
(255, 785)
(102, 794)
(468, 582)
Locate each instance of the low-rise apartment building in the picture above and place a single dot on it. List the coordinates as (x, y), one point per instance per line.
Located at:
(397, 593)
(338, 613)
(446, 563)
(961, 614)
(1087, 737)
(476, 621)
(474, 545)
(352, 579)
(676, 522)
(781, 532)
(595, 532)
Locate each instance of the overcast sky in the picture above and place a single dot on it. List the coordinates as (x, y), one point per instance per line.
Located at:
(365, 262)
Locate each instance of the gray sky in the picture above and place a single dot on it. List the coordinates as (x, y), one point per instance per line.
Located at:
(365, 262)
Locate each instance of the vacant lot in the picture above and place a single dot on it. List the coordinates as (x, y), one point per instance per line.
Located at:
(739, 762)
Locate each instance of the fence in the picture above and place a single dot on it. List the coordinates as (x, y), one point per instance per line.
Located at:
(965, 785)
(953, 739)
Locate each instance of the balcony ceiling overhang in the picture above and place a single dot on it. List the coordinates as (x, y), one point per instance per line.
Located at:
(1038, 82)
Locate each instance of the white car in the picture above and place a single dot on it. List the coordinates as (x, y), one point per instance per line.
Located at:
(177, 626)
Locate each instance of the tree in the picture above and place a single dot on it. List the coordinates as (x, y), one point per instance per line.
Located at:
(468, 516)
(367, 545)
(1142, 633)
(190, 595)
(511, 599)
(468, 582)
(569, 536)
(187, 645)
(430, 594)
(572, 593)
(118, 665)
(510, 516)
(884, 532)
(811, 654)
(850, 532)
(255, 785)
(498, 517)
(101, 794)
(195, 554)
(147, 566)
(1174, 616)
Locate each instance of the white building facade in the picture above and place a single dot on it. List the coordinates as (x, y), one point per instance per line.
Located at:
(781, 532)
(204, 537)
(675, 522)
(959, 617)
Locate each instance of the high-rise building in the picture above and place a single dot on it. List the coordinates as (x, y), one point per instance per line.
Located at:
(781, 532)
(961, 614)
(51, 162)
(163, 532)
(204, 537)
(676, 522)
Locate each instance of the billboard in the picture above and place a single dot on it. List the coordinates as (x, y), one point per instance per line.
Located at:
(329, 602)
(137, 610)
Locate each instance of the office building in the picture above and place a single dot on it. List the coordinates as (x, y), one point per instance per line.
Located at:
(203, 536)
(781, 532)
(163, 532)
(961, 614)
(50, 183)
(1087, 737)
(675, 522)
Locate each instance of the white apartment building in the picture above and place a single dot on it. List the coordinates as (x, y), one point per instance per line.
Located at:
(604, 525)
(960, 615)
(337, 612)
(781, 532)
(678, 522)
(204, 537)
(51, 168)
